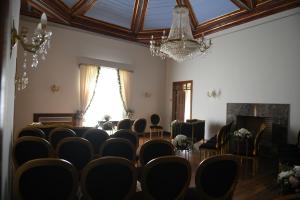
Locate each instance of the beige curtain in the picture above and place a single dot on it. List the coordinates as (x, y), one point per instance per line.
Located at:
(88, 80)
(125, 87)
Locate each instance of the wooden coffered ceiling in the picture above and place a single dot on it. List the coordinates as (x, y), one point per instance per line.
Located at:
(137, 20)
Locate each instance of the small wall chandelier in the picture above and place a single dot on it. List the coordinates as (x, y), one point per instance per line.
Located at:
(38, 47)
(180, 44)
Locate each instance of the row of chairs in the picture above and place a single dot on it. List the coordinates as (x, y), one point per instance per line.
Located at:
(96, 143)
(166, 177)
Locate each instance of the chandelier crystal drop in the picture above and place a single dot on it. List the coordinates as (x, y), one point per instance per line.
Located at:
(180, 44)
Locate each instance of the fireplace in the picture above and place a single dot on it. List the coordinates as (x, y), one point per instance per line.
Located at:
(251, 116)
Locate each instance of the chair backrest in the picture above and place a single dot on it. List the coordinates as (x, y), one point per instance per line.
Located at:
(155, 119)
(216, 177)
(31, 131)
(124, 124)
(96, 137)
(57, 134)
(227, 132)
(221, 136)
(47, 179)
(118, 147)
(128, 135)
(154, 149)
(166, 178)
(139, 125)
(29, 147)
(76, 150)
(257, 139)
(109, 178)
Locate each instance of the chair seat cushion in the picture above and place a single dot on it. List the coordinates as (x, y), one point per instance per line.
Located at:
(156, 127)
(213, 139)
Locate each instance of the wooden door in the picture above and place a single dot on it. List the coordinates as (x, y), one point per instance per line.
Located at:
(182, 100)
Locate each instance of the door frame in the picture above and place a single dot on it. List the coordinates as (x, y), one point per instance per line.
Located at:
(174, 97)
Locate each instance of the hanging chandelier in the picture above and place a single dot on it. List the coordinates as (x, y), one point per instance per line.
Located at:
(180, 44)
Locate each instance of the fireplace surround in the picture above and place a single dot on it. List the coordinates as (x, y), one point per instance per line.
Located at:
(252, 115)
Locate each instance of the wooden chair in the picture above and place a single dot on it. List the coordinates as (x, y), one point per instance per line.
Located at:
(139, 127)
(166, 177)
(32, 131)
(30, 147)
(57, 134)
(155, 148)
(47, 179)
(118, 147)
(96, 137)
(215, 144)
(128, 135)
(253, 155)
(109, 178)
(215, 179)
(124, 124)
(76, 150)
(155, 127)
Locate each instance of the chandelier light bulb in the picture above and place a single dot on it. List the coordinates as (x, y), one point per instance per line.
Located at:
(44, 20)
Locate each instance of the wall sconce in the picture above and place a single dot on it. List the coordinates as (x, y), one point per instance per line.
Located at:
(40, 42)
(148, 94)
(214, 93)
(54, 88)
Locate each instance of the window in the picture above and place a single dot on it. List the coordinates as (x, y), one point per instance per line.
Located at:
(107, 99)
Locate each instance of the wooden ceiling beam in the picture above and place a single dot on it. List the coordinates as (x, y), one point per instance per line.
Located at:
(192, 14)
(135, 16)
(51, 8)
(242, 4)
(242, 16)
(102, 27)
(82, 6)
(140, 25)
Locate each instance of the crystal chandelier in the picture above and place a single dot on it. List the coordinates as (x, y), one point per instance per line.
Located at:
(38, 46)
(180, 44)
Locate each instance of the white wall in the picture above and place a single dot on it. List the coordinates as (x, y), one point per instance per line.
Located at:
(61, 68)
(258, 62)
(9, 12)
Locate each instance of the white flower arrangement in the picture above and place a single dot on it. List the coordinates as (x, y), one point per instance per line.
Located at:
(182, 142)
(242, 133)
(286, 174)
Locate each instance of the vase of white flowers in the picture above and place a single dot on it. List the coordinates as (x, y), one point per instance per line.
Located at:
(289, 180)
(182, 142)
(243, 133)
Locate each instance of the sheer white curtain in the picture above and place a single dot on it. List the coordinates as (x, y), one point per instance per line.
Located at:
(107, 99)
(88, 81)
(125, 78)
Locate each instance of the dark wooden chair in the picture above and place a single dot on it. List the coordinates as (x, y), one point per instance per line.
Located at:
(124, 124)
(139, 127)
(96, 137)
(118, 147)
(47, 179)
(255, 148)
(155, 127)
(76, 150)
(128, 135)
(155, 148)
(32, 131)
(165, 178)
(57, 134)
(27, 148)
(109, 178)
(215, 179)
(289, 154)
(215, 144)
